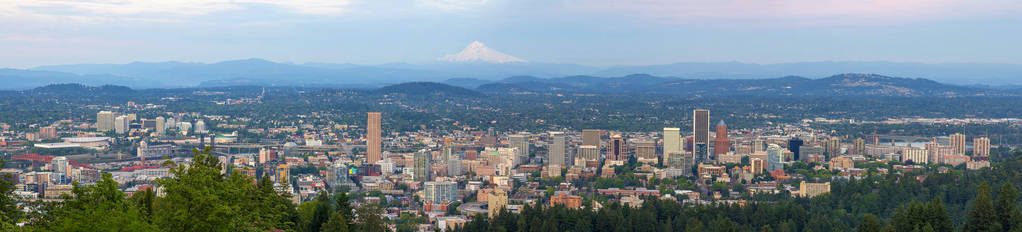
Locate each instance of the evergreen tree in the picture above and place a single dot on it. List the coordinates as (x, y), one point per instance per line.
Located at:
(869, 223)
(9, 211)
(101, 207)
(368, 219)
(982, 218)
(337, 223)
(1007, 209)
(321, 214)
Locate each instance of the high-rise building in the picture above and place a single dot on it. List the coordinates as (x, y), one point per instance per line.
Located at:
(832, 146)
(121, 124)
(931, 152)
(859, 146)
(794, 144)
(701, 134)
(591, 137)
(200, 127)
(283, 174)
(645, 152)
(721, 145)
(556, 151)
(981, 147)
(48, 132)
(373, 139)
(422, 166)
(672, 139)
(440, 192)
(775, 157)
(496, 202)
(587, 153)
(161, 126)
(149, 124)
(521, 142)
(105, 121)
(60, 165)
(957, 144)
(170, 124)
(916, 155)
(617, 148)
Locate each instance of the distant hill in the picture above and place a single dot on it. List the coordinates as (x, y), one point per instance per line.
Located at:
(837, 85)
(69, 89)
(428, 89)
(268, 73)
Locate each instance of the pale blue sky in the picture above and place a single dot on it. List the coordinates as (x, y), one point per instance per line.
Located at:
(595, 32)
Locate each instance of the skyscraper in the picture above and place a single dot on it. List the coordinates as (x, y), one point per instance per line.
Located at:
(440, 192)
(556, 151)
(775, 157)
(60, 165)
(672, 139)
(200, 127)
(721, 145)
(591, 137)
(587, 153)
(48, 132)
(617, 148)
(701, 134)
(105, 121)
(422, 166)
(958, 144)
(521, 142)
(645, 151)
(161, 126)
(981, 147)
(121, 124)
(832, 146)
(860, 146)
(373, 140)
(794, 145)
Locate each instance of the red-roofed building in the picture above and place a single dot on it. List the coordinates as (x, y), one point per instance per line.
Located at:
(780, 175)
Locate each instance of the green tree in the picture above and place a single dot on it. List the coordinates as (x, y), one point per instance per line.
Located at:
(9, 211)
(337, 223)
(368, 218)
(982, 217)
(101, 207)
(1008, 213)
(321, 214)
(869, 223)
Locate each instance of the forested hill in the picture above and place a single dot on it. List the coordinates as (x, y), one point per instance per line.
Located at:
(837, 85)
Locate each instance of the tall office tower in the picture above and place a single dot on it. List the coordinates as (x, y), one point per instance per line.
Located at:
(775, 157)
(591, 137)
(171, 123)
(832, 146)
(794, 145)
(617, 148)
(672, 139)
(958, 144)
(721, 145)
(645, 152)
(283, 174)
(200, 127)
(422, 167)
(981, 147)
(931, 152)
(60, 165)
(440, 192)
(860, 146)
(454, 166)
(105, 121)
(48, 132)
(556, 151)
(701, 134)
(373, 140)
(587, 153)
(161, 126)
(758, 145)
(149, 124)
(121, 124)
(521, 142)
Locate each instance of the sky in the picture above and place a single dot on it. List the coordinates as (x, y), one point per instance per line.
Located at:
(591, 32)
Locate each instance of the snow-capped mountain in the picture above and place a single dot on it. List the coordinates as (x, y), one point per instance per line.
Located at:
(478, 52)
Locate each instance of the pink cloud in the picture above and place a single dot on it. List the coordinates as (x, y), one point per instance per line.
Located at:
(794, 11)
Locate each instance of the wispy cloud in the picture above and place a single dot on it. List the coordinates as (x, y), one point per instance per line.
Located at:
(153, 10)
(806, 11)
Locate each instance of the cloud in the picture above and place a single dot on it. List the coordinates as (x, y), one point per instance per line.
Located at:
(152, 10)
(806, 11)
(453, 5)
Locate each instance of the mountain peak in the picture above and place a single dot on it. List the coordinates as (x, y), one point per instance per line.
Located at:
(478, 52)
